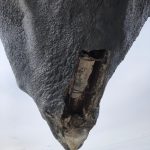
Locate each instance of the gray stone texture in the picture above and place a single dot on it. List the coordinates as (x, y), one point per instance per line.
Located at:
(43, 39)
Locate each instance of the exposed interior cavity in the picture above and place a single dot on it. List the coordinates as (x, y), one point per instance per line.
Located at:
(94, 54)
(86, 76)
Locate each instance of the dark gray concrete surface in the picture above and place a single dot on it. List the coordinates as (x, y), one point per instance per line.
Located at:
(43, 40)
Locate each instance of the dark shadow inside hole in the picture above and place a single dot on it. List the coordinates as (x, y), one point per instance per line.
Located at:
(95, 54)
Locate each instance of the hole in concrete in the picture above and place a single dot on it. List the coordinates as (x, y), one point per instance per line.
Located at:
(87, 74)
(94, 54)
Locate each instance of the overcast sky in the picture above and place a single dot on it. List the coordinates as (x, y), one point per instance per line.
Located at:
(124, 121)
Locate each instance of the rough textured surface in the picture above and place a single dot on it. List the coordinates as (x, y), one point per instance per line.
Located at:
(43, 40)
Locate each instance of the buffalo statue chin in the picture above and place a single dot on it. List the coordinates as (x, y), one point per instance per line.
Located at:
(63, 53)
